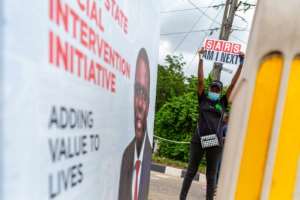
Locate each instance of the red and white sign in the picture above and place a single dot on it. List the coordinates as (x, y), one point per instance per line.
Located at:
(223, 46)
(222, 51)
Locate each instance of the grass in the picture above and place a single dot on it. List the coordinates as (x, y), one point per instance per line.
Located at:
(175, 163)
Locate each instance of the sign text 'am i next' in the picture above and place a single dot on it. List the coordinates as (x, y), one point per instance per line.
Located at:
(222, 51)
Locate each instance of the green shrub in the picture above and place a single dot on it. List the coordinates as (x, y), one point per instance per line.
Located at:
(176, 120)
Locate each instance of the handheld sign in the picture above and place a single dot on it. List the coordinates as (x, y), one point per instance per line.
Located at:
(222, 51)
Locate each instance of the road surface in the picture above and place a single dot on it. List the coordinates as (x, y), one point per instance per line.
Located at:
(165, 187)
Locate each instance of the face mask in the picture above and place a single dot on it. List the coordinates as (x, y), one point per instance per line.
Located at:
(213, 96)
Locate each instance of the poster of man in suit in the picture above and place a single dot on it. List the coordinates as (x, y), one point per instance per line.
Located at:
(135, 167)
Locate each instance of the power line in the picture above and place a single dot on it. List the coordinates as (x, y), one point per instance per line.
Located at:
(199, 31)
(191, 29)
(179, 10)
(190, 63)
(240, 30)
(184, 32)
(239, 39)
(246, 6)
(217, 6)
(242, 18)
(187, 34)
(203, 12)
(213, 20)
(206, 15)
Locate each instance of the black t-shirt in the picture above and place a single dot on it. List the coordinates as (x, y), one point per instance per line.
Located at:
(210, 114)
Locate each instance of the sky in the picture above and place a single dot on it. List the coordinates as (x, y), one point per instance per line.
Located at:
(180, 16)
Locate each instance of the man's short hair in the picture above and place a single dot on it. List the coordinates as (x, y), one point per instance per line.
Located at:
(217, 84)
(144, 56)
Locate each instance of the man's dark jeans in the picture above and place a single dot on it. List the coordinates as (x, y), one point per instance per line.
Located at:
(213, 156)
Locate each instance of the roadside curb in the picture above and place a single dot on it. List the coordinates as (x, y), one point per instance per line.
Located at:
(175, 172)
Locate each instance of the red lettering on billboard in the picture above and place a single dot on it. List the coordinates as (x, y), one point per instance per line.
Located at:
(82, 59)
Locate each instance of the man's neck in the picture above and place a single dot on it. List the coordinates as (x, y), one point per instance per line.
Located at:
(139, 146)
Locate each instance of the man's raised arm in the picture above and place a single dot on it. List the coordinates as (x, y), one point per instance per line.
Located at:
(236, 76)
(200, 73)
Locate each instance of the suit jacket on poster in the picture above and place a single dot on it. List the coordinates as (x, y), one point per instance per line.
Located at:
(127, 170)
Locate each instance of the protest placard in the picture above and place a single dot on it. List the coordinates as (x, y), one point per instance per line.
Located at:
(222, 51)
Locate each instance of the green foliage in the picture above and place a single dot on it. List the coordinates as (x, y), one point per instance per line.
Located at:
(176, 120)
(170, 80)
(208, 81)
(191, 84)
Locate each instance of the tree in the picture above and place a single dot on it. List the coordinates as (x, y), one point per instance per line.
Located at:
(176, 120)
(170, 80)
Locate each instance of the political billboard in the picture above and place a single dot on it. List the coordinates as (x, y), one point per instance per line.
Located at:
(77, 98)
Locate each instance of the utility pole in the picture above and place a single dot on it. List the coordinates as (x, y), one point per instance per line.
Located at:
(228, 17)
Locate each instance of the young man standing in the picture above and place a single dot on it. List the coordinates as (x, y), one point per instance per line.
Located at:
(207, 137)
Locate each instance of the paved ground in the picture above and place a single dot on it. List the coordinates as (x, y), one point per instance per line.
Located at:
(165, 187)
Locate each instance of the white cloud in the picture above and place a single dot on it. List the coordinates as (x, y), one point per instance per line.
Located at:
(164, 49)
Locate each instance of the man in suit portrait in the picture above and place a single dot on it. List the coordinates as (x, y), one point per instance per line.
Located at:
(136, 161)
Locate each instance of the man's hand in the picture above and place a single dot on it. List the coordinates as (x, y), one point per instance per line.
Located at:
(236, 76)
(200, 72)
(201, 51)
(242, 57)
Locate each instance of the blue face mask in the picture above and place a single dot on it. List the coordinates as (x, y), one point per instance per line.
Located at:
(213, 96)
